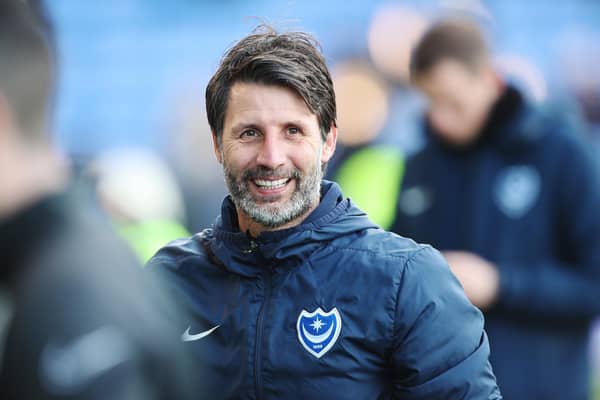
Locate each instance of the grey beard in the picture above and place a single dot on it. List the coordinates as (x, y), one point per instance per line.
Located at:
(307, 194)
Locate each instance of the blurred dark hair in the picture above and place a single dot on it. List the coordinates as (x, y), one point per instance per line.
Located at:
(26, 63)
(455, 39)
(291, 59)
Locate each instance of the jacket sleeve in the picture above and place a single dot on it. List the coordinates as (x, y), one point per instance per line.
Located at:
(569, 288)
(440, 350)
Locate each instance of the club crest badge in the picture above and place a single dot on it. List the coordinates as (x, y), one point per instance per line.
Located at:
(517, 190)
(414, 201)
(318, 330)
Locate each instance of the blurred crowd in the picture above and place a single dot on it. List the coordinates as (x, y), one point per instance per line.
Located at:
(130, 113)
(133, 72)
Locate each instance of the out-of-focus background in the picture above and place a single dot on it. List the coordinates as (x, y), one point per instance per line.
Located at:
(130, 108)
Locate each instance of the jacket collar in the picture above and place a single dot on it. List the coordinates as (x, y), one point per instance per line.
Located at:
(334, 216)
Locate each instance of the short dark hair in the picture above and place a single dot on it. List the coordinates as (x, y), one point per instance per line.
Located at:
(291, 59)
(26, 64)
(455, 39)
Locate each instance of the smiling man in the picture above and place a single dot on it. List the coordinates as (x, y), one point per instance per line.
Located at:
(295, 292)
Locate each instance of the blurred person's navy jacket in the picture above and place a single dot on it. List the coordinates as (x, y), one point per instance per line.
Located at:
(407, 328)
(525, 197)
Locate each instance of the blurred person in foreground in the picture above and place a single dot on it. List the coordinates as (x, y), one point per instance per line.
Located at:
(511, 198)
(295, 292)
(84, 322)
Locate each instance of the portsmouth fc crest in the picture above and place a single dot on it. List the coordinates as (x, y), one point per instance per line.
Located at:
(517, 190)
(318, 330)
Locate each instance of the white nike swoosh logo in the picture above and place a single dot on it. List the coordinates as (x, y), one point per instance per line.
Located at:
(187, 337)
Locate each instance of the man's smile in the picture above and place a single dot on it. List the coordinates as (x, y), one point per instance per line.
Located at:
(271, 186)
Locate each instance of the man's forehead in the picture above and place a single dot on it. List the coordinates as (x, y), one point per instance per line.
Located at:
(265, 102)
(255, 92)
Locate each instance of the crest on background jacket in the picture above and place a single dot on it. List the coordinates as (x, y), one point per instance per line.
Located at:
(517, 189)
(318, 330)
(414, 201)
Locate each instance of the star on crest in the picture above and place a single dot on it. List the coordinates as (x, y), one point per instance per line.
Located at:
(317, 324)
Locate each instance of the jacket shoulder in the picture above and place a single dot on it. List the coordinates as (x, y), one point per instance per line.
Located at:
(181, 252)
(385, 244)
(390, 250)
(410, 264)
(549, 123)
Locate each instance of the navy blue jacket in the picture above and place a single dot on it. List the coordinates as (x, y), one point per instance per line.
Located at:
(333, 308)
(526, 197)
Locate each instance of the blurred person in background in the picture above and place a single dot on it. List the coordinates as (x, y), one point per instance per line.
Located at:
(83, 322)
(141, 195)
(364, 168)
(282, 288)
(191, 155)
(578, 60)
(511, 197)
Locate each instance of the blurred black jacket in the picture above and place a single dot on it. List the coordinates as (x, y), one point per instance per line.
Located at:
(85, 319)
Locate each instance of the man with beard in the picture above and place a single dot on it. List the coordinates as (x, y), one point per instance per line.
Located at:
(295, 292)
(79, 319)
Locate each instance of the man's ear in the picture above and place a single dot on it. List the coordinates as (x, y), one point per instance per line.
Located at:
(329, 145)
(216, 147)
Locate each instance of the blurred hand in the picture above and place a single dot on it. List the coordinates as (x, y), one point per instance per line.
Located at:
(478, 277)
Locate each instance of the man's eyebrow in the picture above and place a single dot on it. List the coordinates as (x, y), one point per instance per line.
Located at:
(243, 125)
(296, 122)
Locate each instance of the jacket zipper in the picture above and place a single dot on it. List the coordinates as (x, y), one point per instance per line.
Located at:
(259, 334)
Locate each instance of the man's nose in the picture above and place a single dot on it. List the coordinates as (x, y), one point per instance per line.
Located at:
(271, 153)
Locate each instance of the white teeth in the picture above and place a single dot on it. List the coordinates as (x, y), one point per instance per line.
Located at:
(270, 184)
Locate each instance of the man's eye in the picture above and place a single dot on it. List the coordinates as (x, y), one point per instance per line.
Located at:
(293, 130)
(249, 133)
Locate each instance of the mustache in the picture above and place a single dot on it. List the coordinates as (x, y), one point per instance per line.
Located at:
(262, 172)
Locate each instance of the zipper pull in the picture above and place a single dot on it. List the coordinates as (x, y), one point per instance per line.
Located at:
(252, 248)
